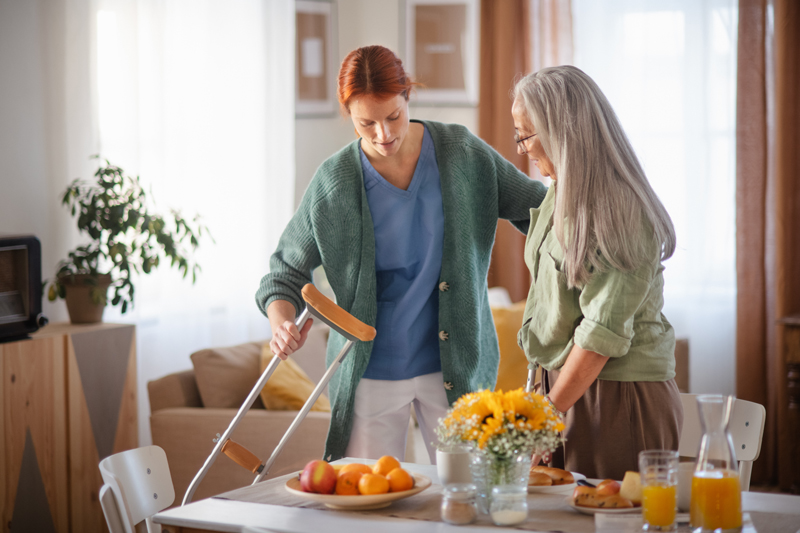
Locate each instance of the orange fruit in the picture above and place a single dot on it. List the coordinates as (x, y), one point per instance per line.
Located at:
(399, 480)
(385, 464)
(373, 484)
(347, 483)
(355, 467)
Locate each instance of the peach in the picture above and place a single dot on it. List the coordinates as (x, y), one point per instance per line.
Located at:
(318, 476)
(607, 487)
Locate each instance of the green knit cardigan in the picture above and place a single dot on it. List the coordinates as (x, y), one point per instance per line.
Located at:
(333, 227)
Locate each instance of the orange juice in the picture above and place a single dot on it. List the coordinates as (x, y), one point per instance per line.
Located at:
(716, 500)
(658, 505)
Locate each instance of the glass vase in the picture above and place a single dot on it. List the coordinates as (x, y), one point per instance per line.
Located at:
(489, 471)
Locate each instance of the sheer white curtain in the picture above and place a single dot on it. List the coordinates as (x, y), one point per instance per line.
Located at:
(196, 97)
(669, 69)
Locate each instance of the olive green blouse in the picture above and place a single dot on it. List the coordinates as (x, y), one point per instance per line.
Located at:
(615, 314)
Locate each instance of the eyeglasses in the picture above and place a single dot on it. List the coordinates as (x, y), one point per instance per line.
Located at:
(520, 141)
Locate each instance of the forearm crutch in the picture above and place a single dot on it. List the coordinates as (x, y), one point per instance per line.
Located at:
(321, 307)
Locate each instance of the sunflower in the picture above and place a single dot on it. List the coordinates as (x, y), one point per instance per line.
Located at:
(527, 409)
(493, 426)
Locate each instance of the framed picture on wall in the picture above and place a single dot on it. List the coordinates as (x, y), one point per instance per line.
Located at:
(315, 53)
(441, 50)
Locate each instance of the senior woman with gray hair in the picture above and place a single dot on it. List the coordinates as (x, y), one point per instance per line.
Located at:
(593, 317)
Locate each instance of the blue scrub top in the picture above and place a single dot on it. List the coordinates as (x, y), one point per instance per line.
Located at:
(409, 236)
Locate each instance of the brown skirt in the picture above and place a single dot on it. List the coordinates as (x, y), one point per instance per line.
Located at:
(613, 421)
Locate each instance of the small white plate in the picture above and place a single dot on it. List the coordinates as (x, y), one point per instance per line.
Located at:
(600, 510)
(556, 489)
(360, 502)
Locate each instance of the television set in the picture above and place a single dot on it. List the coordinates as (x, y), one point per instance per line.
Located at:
(20, 286)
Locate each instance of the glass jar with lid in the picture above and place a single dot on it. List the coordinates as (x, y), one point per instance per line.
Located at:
(509, 505)
(459, 505)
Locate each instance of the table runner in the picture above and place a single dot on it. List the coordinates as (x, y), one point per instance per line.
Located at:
(546, 512)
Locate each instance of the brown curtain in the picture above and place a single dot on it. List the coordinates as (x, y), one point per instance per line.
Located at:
(767, 217)
(503, 56)
(517, 37)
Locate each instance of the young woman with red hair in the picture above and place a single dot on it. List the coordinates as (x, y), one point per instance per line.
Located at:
(403, 221)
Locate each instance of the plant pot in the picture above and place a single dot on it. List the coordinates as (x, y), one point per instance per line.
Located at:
(84, 304)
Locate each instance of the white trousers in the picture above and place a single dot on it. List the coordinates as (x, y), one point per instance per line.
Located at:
(382, 410)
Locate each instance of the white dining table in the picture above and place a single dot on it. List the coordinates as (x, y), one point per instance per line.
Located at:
(779, 512)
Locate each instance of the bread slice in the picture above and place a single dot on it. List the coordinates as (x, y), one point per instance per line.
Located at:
(632, 487)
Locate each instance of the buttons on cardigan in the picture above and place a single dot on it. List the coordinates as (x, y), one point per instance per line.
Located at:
(448, 385)
(443, 286)
(444, 335)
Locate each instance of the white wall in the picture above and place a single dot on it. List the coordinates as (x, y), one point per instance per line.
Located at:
(360, 23)
(38, 138)
(45, 90)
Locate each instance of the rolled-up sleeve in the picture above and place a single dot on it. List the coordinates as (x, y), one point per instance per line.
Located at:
(609, 303)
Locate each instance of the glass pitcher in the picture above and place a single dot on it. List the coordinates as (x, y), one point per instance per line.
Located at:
(716, 502)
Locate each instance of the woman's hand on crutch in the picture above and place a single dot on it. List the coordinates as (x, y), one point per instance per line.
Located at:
(286, 338)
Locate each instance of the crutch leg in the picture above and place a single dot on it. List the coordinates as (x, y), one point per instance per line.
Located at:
(341, 321)
(531, 377)
(251, 398)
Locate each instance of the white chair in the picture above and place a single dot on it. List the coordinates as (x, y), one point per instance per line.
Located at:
(746, 428)
(137, 486)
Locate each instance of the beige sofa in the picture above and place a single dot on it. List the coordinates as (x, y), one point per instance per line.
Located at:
(184, 428)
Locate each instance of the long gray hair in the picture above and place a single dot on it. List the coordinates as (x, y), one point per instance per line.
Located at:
(603, 196)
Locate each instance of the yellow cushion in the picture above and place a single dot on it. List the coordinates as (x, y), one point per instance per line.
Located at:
(513, 371)
(289, 387)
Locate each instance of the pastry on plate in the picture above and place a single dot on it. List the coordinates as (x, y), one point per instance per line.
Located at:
(589, 497)
(557, 475)
(539, 479)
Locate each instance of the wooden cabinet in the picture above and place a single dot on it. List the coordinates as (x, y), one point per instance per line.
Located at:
(68, 400)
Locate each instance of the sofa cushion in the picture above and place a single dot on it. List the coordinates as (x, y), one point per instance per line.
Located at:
(513, 370)
(288, 387)
(225, 376)
(175, 390)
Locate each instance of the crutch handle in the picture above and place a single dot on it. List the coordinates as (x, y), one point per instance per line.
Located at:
(242, 456)
(335, 315)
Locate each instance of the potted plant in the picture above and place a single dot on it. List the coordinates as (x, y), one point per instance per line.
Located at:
(127, 237)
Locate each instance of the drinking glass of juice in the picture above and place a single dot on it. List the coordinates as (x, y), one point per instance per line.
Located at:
(659, 474)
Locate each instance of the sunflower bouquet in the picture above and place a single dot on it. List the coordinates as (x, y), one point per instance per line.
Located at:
(502, 424)
(504, 429)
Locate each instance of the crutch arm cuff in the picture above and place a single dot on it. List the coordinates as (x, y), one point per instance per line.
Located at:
(336, 316)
